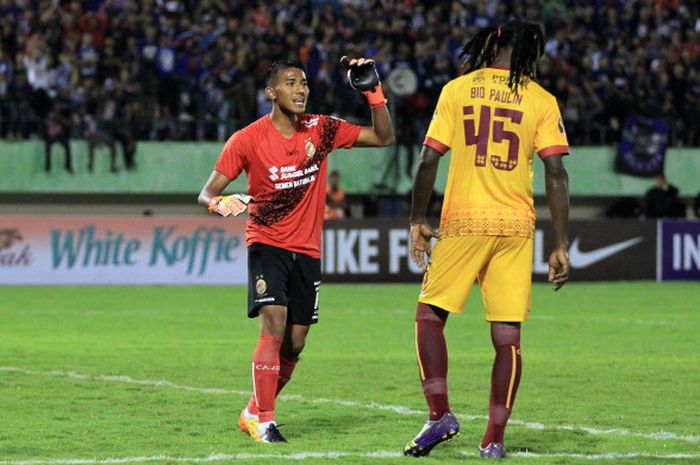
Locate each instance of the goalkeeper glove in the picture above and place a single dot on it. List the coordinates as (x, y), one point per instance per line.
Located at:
(364, 78)
(230, 205)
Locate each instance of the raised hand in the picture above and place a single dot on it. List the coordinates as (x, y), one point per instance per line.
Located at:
(362, 73)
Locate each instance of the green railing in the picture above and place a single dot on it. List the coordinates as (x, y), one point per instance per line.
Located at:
(183, 167)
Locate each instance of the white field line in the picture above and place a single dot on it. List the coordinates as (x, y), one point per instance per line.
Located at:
(401, 410)
(325, 455)
(608, 456)
(604, 320)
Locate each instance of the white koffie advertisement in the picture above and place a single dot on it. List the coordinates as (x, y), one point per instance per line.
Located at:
(121, 250)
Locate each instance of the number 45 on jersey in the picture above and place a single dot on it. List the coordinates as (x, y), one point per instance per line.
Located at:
(496, 132)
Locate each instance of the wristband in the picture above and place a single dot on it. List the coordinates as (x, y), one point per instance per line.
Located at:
(375, 97)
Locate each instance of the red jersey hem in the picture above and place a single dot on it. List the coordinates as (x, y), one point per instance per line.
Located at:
(313, 253)
(436, 145)
(223, 174)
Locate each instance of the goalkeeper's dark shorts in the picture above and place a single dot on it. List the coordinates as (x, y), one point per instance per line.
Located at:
(280, 277)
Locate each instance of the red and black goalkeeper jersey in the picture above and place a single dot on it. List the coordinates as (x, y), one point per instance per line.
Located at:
(286, 177)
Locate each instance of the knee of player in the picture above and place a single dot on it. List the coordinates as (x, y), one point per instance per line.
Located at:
(430, 314)
(297, 346)
(273, 320)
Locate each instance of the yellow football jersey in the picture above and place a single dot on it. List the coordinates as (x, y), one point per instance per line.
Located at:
(493, 134)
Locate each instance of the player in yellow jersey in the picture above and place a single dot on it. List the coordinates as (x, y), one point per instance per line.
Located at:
(493, 119)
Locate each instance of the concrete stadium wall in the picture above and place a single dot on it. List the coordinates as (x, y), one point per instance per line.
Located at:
(183, 167)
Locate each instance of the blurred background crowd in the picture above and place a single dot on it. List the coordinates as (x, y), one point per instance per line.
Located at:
(124, 70)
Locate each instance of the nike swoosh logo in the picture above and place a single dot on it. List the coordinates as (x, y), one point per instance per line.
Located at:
(581, 259)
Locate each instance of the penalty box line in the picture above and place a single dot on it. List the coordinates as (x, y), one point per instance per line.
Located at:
(401, 410)
(327, 455)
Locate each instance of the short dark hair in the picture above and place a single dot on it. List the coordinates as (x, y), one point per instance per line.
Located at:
(527, 40)
(279, 65)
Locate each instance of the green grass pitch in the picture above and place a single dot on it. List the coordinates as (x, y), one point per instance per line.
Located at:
(159, 375)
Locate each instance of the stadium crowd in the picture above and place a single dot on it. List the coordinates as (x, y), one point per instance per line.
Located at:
(121, 70)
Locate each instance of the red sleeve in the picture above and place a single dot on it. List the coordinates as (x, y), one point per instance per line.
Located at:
(347, 134)
(554, 150)
(436, 145)
(233, 157)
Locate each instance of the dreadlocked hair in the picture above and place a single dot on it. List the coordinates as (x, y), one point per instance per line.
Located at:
(526, 40)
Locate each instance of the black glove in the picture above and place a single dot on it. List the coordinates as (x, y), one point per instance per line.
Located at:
(364, 77)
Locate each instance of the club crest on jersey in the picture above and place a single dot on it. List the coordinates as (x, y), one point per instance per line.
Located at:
(310, 122)
(260, 286)
(479, 78)
(310, 148)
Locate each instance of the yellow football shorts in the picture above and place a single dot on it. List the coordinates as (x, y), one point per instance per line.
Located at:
(502, 265)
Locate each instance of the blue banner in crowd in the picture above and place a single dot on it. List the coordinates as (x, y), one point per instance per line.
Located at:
(643, 146)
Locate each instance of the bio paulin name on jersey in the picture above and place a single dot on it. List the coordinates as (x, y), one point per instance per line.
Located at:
(497, 95)
(292, 172)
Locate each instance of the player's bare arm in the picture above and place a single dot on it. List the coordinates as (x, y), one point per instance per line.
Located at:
(557, 186)
(363, 77)
(380, 134)
(210, 196)
(423, 183)
(214, 186)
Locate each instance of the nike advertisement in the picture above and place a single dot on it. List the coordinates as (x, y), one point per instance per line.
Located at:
(377, 251)
(601, 251)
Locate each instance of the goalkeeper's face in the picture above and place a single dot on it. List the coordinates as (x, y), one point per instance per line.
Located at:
(290, 91)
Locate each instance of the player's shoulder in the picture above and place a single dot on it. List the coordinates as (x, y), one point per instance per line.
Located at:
(261, 124)
(539, 92)
(455, 86)
(456, 82)
(249, 132)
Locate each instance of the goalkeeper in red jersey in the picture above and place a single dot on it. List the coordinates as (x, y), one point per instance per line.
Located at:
(284, 157)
